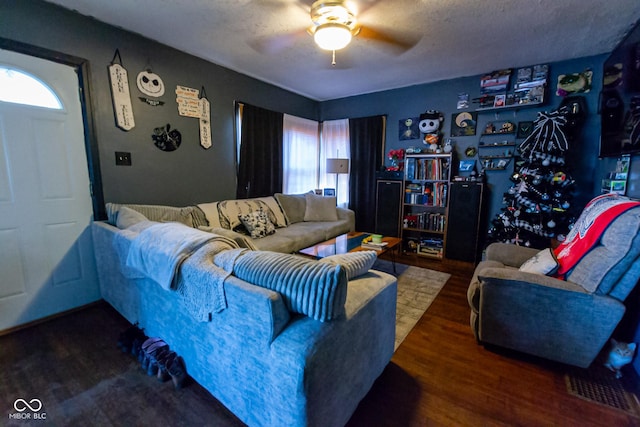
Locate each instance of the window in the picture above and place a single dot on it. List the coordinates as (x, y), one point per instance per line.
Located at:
(300, 155)
(306, 151)
(306, 146)
(334, 143)
(19, 87)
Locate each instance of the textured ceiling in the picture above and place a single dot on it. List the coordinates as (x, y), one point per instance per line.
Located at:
(451, 38)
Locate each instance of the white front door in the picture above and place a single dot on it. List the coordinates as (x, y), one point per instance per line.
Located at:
(46, 253)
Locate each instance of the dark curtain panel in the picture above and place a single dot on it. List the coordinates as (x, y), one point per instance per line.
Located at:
(260, 164)
(366, 140)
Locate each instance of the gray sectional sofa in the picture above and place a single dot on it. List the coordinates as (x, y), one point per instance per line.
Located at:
(300, 220)
(296, 342)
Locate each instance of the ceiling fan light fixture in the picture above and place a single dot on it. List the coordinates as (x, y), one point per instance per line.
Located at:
(332, 36)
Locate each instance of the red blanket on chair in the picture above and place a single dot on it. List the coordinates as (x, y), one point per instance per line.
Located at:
(586, 232)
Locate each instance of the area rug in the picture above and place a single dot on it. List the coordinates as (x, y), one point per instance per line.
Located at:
(417, 288)
(599, 385)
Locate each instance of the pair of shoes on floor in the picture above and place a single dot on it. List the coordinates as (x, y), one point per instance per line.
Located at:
(158, 359)
(171, 367)
(130, 341)
(152, 349)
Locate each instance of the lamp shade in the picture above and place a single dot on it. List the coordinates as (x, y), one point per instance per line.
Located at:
(332, 36)
(337, 165)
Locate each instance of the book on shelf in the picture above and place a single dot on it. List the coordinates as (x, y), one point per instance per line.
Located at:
(429, 168)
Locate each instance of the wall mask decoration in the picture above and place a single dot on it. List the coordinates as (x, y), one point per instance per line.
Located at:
(150, 83)
(120, 94)
(166, 139)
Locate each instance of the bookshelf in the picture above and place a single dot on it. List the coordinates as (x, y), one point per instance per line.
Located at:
(425, 204)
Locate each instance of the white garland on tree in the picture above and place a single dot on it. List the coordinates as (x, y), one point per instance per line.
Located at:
(547, 135)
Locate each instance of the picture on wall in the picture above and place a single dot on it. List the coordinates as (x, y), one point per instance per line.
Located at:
(467, 165)
(524, 129)
(408, 129)
(464, 124)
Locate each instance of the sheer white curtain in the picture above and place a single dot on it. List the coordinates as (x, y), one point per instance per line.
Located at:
(300, 155)
(334, 143)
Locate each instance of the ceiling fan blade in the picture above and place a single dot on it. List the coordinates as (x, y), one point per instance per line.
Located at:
(397, 42)
(276, 43)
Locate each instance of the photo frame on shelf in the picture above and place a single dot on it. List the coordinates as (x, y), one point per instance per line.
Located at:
(329, 192)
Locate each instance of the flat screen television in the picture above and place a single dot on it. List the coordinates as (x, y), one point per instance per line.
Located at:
(620, 98)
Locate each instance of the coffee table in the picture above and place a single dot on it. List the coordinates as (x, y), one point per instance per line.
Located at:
(350, 242)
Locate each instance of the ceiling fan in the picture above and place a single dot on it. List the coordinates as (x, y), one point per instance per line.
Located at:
(334, 24)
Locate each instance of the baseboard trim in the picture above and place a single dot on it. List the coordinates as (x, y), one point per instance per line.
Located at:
(48, 318)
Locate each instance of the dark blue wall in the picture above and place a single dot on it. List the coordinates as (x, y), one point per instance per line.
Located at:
(399, 104)
(192, 174)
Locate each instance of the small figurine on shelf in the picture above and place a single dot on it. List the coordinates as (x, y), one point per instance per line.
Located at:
(490, 128)
(507, 127)
(448, 148)
(430, 123)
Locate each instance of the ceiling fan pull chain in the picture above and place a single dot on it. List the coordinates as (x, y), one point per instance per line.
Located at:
(333, 60)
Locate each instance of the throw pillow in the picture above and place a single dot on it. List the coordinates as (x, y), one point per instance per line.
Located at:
(293, 205)
(258, 224)
(355, 263)
(128, 217)
(320, 208)
(315, 289)
(544, 262)
(158, 213)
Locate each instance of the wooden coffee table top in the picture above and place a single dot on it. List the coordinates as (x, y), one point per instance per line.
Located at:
(349, 242)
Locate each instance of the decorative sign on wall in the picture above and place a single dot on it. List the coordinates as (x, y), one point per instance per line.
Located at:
(188, 101)
(205, 120)
(120, 94)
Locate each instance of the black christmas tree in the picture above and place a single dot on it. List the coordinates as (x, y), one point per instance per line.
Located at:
(538, 204)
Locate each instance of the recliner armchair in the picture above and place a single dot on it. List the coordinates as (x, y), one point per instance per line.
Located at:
(568, 321)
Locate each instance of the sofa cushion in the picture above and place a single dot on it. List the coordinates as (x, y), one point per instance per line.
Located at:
(159, 213)
(242, 240)
(320, 208)
(596, 218)
(544, 262)
(293, 205)
(601, 268)
(258, 224)
(127, 217)
(230, 211)
(355, 263)
(315, 289)
(212, 214)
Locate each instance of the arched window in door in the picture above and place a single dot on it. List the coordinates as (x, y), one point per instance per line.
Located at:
(19, 87)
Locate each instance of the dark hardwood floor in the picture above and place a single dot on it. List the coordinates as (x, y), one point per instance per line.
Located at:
(439, 376)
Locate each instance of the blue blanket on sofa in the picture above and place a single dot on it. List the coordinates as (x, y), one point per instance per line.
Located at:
(160, 250)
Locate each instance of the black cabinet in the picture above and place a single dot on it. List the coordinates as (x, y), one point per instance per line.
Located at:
(388, 206)
(464, 235)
